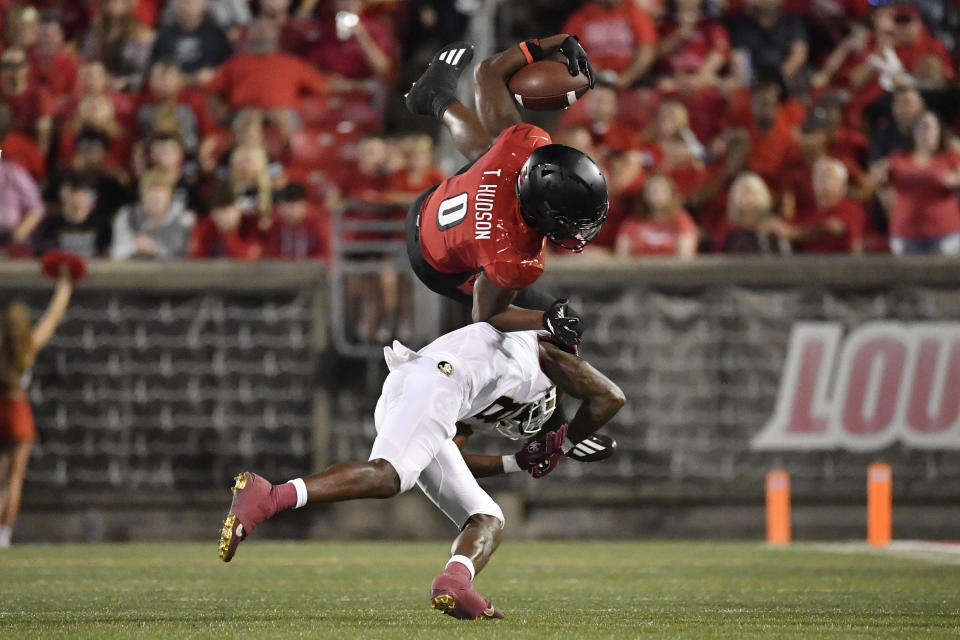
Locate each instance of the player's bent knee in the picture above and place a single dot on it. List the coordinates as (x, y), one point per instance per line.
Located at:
(491, 516)
(389, 481)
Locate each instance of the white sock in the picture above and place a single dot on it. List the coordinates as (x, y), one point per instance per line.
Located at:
(567, 445)
(301, 488)
(7, 532)
(465, 561)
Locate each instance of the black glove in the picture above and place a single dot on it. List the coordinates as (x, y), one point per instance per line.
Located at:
(567, 329)
(577, 60)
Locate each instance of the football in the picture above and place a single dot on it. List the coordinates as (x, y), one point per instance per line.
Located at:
(547, 86)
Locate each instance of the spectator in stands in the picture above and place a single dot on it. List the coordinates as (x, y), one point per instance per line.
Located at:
(121, 42)
(835, 225)
(31, 107)
(20, 148)
(20, 29)
(93, 80)
(251, 183)
(354, 43)
(167, 108)
(749, 204)
(367, 178)
(164, 153)
(767, 40)
(769, 125)
(662, 226)
(195, 41)
(91, 158)
(690, 39)
(21, 343)
(264, 78)
(418, 173)
(79, 226)
(925, 212)
(97, 113)
(21, 208)
(619, 37)
(896, 134)
(674, 148)
(224, 233)
(53, 64)
(796, 184)
(298, 229)
(599, 117)
(229, 15)
(158, 226)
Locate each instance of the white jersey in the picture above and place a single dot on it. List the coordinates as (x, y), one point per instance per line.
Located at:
(499, 372)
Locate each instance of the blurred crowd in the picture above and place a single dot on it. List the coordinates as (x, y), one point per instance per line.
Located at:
(232, 128)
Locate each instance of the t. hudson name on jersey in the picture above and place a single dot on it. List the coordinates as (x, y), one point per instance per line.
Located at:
(483, 207)
(886, 381)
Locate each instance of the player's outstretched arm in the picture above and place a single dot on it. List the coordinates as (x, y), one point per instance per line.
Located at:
(573, 375)
(492, 303)
(495, 106)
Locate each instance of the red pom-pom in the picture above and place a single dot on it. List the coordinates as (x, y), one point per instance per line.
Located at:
(52, 259)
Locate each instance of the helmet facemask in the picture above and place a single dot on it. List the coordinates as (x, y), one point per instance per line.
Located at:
(530, 419)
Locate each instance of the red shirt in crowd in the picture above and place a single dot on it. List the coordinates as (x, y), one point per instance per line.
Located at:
(57, 74)
(22, 150)
(611, 35)
(346, 57)
(403, 181)
(28, 107)
(309, 238)
(854, 219)
(208, 241)
(648, 237)
(472, 221)
(923, 205)
(796, 177)
(709, 36)
(272, 81)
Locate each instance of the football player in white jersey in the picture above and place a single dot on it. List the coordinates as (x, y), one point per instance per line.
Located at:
(432, 401)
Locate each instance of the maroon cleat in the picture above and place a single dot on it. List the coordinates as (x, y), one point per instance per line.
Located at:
(453, 594)
(253, 502)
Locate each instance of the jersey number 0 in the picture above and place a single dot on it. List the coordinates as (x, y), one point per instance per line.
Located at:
(452, 211)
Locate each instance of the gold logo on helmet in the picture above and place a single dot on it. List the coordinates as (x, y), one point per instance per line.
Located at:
(445, 368)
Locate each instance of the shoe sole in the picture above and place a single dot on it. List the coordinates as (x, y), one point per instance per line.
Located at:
(446, 603)
(226, 549)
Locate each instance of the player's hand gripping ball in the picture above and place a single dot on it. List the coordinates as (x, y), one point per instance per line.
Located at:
(551, 85)
(540, 457)
(54, 262)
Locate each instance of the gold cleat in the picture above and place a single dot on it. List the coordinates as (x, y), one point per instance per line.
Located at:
(226, 537)
(443, 602)
(240, 482)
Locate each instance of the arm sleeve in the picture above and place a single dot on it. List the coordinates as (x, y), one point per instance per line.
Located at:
(311, 79)
(513, 275)
(29, 191)
(644, 29)
(122, 246)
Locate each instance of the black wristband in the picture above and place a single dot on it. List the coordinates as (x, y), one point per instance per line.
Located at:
(532, 50)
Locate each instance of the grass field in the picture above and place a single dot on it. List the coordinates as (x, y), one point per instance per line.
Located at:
(547, 590)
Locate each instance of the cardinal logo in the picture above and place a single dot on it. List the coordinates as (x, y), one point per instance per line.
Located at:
(445, 368)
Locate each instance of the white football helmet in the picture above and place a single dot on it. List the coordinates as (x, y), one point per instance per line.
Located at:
(529, 418)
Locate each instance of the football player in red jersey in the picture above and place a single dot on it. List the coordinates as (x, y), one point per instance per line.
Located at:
(479, 236)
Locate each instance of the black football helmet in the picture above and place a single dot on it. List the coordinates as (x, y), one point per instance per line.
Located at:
(563, 194)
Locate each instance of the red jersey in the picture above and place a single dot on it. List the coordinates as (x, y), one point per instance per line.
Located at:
(648, 237)
(923, 206)
(853, 218)
(472, 221)
(611, 35)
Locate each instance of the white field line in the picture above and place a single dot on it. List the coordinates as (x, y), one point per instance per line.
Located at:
(928, 551)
